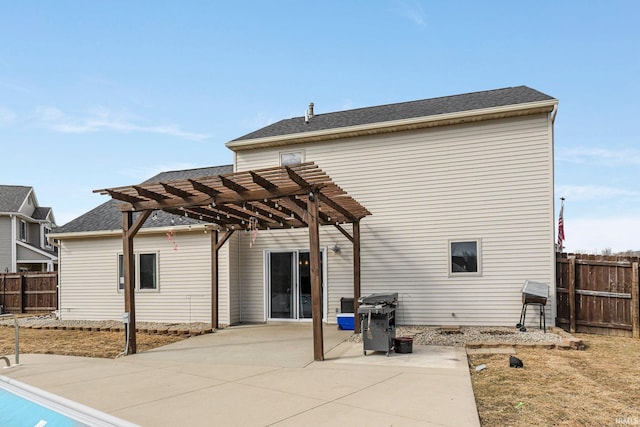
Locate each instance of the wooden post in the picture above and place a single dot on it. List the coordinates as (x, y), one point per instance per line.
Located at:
(23, 288)
(314, 261)
(129, 231)
(635, 300)
(214, 279)
(215, 275)
(572, 295)
(128, 266)
(356, 276)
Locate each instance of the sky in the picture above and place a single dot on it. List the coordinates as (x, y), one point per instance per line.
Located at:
(103, 94)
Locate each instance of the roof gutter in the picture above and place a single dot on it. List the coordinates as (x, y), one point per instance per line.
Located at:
(26, 217)
(399, 125)
(118, 232)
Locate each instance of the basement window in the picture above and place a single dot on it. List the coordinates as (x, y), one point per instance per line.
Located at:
(465, 257)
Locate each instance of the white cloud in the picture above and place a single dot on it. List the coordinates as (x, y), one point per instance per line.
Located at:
(599, 156)
(592, 235)
(102, 119)
(414, 11)
(581, 193)
(6, 116)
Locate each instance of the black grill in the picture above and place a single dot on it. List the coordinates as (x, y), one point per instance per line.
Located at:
(378, 321)
(533, 293)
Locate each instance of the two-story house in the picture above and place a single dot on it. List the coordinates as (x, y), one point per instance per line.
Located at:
(24, 230)
(460, 191)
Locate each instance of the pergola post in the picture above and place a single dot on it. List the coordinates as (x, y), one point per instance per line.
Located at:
(314, 261)
(128, 266)
(214, 279)
(215, 275)
(129, 231)
(356, 275)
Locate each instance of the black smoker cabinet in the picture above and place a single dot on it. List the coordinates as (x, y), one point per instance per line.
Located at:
(377, 314)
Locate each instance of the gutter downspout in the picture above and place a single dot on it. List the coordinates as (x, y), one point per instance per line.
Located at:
(553, 114)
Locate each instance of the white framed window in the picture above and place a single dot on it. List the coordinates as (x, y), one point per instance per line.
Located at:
(23, 230)
(145, 271)
(45, 233)
(290, 158)
(465, 257)
(148, 268)
(120, 272)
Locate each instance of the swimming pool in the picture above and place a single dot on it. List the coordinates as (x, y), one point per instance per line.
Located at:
(24, 405)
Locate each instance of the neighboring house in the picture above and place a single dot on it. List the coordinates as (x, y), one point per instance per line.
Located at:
(461, 194)
(24, 228)
(172, 259)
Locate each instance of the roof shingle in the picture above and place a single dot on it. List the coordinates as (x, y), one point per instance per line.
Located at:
(12, 197)
(400, 111)
(107, 216)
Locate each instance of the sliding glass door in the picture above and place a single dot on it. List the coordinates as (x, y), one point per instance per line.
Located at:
(289, 285)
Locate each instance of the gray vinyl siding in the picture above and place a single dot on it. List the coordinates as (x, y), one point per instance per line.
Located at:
(5, 244)
(89, 279)
(27, 255)
(33, 235)
(490, 180)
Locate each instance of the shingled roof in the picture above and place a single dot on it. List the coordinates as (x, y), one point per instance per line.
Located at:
(107, 216)
(12, 197)
(400, 111)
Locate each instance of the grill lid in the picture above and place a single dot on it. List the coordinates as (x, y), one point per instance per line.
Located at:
(536, 289)
(379, 299)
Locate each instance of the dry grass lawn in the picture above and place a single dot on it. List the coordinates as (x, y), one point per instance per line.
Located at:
(599, 386)
(77, 343)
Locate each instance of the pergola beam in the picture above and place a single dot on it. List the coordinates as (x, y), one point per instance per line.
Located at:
(333, 205)
(297, 178)
(198, 186)
(233, 186)
(144, 192)
(175, 191)
(124, 197)
(344, 232)
(262, 182)
(137, 204)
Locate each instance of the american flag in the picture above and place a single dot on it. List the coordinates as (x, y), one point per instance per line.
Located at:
(561, 225)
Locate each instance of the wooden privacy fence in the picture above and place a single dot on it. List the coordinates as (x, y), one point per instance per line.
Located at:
(598, 294)
(28, 292)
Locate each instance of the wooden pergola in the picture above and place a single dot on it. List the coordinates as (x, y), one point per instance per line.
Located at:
(284, 197)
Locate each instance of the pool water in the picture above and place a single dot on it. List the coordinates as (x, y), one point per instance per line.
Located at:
(16, 411)
(22, 405)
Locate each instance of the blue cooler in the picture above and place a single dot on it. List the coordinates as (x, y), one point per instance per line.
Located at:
(345, 321)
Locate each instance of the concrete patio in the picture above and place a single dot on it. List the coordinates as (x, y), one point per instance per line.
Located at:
(264, 375)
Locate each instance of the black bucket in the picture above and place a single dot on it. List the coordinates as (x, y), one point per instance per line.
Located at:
(403, 345)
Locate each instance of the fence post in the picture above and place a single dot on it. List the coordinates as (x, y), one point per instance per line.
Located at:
(635, 300)
(21, 295)
(572, 295)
